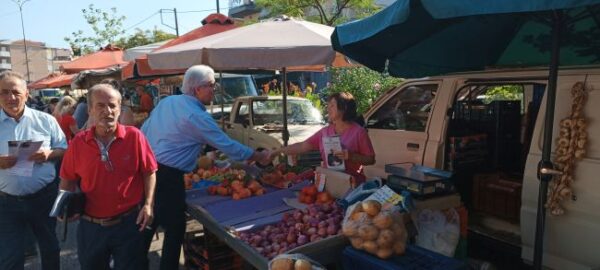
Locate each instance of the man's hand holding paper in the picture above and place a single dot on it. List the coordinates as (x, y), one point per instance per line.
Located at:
(7, 162)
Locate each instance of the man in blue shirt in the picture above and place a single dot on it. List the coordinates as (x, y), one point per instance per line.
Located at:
(26, 198)
(177, 130)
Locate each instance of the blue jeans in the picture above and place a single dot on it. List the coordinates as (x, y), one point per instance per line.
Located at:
(16, 215)
(96, 243)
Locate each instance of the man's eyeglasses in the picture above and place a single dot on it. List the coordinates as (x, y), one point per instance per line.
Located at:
(211, 85)
(106, 159)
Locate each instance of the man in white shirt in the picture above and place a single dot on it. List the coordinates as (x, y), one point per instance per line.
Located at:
(25, 201)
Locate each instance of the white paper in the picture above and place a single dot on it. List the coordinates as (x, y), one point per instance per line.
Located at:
(22, 150)
(385, 195)
(333, 145)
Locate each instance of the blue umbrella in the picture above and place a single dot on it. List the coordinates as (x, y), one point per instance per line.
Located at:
(431, 37)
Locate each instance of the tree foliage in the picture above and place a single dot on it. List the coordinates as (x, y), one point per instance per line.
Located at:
(322, 11)
(504, 92)
(106, 27)
(364, 84)
(141, 37)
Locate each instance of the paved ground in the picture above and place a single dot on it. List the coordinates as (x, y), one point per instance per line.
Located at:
(68, 253)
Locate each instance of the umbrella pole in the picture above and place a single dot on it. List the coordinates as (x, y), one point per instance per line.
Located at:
(223, 97)
(285, 134)
(545, 167)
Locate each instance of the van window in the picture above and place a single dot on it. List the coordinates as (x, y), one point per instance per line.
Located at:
(234, 86)
(243, 115)
(408, 110)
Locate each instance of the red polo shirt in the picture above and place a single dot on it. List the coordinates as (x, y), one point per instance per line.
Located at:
(111, 187)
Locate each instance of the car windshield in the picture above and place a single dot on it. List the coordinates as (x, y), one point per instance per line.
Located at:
(231, 87)
(300, 112)
(50, 93)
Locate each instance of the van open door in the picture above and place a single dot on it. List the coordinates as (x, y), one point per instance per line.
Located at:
(398, 125)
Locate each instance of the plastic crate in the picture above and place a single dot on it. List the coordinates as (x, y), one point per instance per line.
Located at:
(204, 184)
(415, 258)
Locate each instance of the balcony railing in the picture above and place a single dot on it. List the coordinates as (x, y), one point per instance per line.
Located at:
(4, 54)
(5, 66)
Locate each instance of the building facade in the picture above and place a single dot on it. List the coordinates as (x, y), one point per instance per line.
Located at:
(43, 60)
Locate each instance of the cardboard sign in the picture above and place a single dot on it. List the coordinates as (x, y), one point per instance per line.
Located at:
(337, 183)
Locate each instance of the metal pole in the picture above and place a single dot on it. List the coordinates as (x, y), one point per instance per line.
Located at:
(222, 97)
(285, 134)
(538, 250)
(20, 4)
(176, 24)
(218, 9)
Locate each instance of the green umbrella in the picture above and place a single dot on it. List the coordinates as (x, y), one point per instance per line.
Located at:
(431, 37)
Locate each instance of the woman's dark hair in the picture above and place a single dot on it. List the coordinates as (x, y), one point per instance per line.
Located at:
(54, 100)
(347, 106)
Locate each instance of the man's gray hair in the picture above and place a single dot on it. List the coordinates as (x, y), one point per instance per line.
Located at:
(13, 74)
(90, 93)
(196, 76)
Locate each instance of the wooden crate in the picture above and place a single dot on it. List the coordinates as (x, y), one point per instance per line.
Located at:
(496, 196)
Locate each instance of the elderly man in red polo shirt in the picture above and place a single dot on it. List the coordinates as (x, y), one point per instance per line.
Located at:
(114, 167)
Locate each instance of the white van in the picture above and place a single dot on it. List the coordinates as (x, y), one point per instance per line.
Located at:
(428, 119)
(233, 86)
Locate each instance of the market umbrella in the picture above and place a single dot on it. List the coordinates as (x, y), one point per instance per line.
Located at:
(53, 80)
(109, 56)
(430, 37)
(139, 51)
(269, 45)
(212, 24)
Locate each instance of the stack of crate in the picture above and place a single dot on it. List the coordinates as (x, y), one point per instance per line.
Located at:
(466, 152)
(204, 251)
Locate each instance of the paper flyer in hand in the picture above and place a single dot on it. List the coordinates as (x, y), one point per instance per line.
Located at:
(332, 145)
(22, 150)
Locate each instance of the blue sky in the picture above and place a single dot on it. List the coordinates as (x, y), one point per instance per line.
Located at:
(50, 21)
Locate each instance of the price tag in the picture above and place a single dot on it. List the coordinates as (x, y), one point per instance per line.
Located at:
(321, 179)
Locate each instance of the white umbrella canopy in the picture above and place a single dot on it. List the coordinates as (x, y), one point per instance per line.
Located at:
(268, 45)
(132, 53)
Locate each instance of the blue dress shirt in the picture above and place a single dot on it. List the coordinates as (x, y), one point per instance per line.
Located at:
(35, 126)
(179, 126)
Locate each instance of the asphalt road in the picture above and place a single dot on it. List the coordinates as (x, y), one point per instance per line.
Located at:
(68, 253)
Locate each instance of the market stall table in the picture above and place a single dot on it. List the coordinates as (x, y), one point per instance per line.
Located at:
(222, 216)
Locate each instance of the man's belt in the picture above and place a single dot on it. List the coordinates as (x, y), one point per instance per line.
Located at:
(109, 221)
(34, 195)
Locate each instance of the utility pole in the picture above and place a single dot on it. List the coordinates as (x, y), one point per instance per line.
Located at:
(20, 3)
(174, 10)
(176, 24)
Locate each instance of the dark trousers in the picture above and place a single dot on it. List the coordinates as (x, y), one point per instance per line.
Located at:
(17, 215)
(169, 213)
(124, 241)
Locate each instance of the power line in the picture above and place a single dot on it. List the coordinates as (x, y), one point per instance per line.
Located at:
(197, 11)
(179, 12)
(142, 21)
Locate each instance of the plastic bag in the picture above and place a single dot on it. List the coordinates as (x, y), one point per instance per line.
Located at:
(293, 262)
(438, 231)
(361, 192)
(376, 229)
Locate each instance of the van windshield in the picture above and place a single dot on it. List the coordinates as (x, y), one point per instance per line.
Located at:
(232, 87)
(50, 93)
(300, 112)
